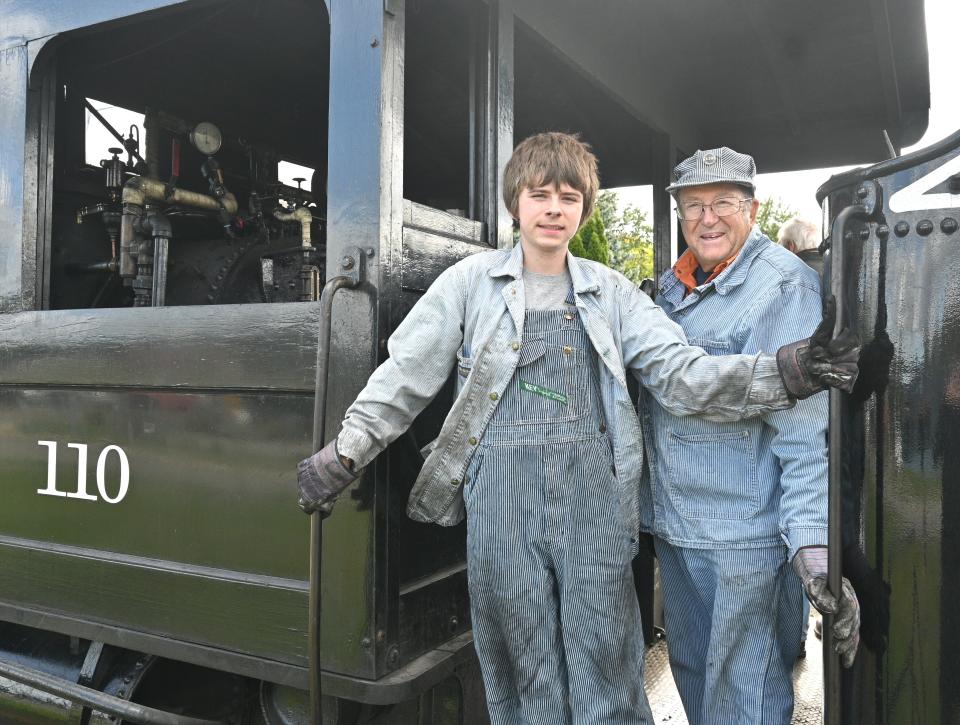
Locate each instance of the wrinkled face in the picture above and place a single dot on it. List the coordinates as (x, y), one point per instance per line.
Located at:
(549, 216)
(711, 238)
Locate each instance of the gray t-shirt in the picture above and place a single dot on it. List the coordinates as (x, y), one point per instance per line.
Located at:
(546, 291)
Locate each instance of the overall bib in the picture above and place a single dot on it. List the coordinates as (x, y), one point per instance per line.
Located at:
(555, 615)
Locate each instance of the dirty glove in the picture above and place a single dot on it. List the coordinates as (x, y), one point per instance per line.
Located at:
(649, 287)
(321, 478)
(808, 366)
(810, 564)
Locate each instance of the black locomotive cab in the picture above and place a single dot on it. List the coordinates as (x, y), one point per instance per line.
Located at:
(179, 182)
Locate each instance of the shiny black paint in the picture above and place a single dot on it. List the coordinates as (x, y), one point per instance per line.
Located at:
(901, 451)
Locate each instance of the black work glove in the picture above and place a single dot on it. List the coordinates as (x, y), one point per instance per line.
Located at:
(649, 287)
(808, 366)
(810, 563)
(321, 478)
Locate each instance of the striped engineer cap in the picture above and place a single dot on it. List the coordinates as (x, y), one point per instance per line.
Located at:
(713, 166)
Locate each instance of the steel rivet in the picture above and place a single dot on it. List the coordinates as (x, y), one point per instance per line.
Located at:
(883, 231)
(948, 225)
(924, 227)
(454, 623)
(393, 657)
(863, 192)
(901, 229)
(381, 636)
(365, 643)
(369, 251)
(347, 262)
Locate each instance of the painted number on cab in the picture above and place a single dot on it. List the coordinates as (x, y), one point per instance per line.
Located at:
(918, 197)
(113, 491)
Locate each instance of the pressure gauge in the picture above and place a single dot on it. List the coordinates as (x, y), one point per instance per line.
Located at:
(206, 138)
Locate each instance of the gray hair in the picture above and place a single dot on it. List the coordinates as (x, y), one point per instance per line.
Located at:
(799, 235)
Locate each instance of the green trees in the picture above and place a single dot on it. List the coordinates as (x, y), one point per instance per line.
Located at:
(591, 241)
(771, 216)
(629, 237)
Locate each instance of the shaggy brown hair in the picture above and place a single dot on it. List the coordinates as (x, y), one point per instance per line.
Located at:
(551, 159)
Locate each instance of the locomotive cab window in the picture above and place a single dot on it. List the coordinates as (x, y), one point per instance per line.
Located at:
(166, 159)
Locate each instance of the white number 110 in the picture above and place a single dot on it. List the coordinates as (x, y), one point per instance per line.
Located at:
(81, 492)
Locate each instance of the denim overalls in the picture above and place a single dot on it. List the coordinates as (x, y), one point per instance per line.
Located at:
(555, 615)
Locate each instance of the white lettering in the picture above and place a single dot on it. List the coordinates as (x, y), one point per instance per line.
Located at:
(82, 494)
(913, 197)
(51, 489)
(124, 474)
(81, 473)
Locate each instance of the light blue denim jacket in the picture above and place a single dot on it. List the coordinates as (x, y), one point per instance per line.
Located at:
(472, 318)
(755, 482)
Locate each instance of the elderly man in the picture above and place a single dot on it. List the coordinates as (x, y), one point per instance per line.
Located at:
(802, 237)
(733, 505)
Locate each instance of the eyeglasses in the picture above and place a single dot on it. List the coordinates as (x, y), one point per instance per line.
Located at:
(691, 211)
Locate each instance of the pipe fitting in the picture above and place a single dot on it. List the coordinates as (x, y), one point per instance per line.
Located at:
(303, 215)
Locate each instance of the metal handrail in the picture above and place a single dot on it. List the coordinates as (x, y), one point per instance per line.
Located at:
(95, 699)
(352, 264)
(868, 194)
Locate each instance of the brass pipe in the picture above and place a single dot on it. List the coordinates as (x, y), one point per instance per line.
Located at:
(300, 214)
(141, 188)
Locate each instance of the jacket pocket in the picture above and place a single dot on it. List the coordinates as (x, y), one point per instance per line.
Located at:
(713, 475)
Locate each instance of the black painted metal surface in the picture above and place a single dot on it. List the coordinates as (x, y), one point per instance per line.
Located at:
(901, 440)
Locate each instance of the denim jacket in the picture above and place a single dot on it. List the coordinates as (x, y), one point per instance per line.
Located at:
(755, 482)
(472, 318)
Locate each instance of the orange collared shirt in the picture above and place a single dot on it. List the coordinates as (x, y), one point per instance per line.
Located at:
(687, 264)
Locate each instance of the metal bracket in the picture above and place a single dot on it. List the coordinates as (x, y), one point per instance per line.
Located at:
(352, 265)
(869, 196)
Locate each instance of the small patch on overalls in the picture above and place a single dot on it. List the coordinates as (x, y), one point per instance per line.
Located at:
(545, 392)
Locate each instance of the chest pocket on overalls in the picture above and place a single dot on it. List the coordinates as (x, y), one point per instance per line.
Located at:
(546, 385)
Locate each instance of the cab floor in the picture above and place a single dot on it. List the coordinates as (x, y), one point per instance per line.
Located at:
(807, 685)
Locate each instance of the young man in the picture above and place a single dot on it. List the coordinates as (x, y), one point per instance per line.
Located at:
(542, 448)
(732, 504)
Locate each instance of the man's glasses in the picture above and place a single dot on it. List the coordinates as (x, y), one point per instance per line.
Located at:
(691, 211)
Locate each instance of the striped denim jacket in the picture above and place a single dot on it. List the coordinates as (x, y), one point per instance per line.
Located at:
(472, 318)
(752, 483)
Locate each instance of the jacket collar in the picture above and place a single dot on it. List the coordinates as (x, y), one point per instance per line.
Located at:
(734, 275)
(583, 277)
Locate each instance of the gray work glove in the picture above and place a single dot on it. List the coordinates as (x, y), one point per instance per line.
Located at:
(321, 478)
(809, 366)
(810, 563)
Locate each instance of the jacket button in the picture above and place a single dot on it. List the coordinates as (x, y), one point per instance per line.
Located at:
(567, 349)
(515, 346)
(473, 441)
(603, 428)
(568, 316)
(494, 396)
(455, 482)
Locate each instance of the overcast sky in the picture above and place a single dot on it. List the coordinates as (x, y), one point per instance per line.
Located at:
(798, 188)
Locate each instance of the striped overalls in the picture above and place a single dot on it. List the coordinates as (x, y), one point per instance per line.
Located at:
(555, 615)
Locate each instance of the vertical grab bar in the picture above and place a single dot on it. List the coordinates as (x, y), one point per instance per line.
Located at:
(868, 195)
(351, 265)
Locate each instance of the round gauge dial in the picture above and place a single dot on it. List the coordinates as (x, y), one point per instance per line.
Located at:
(206, 138)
